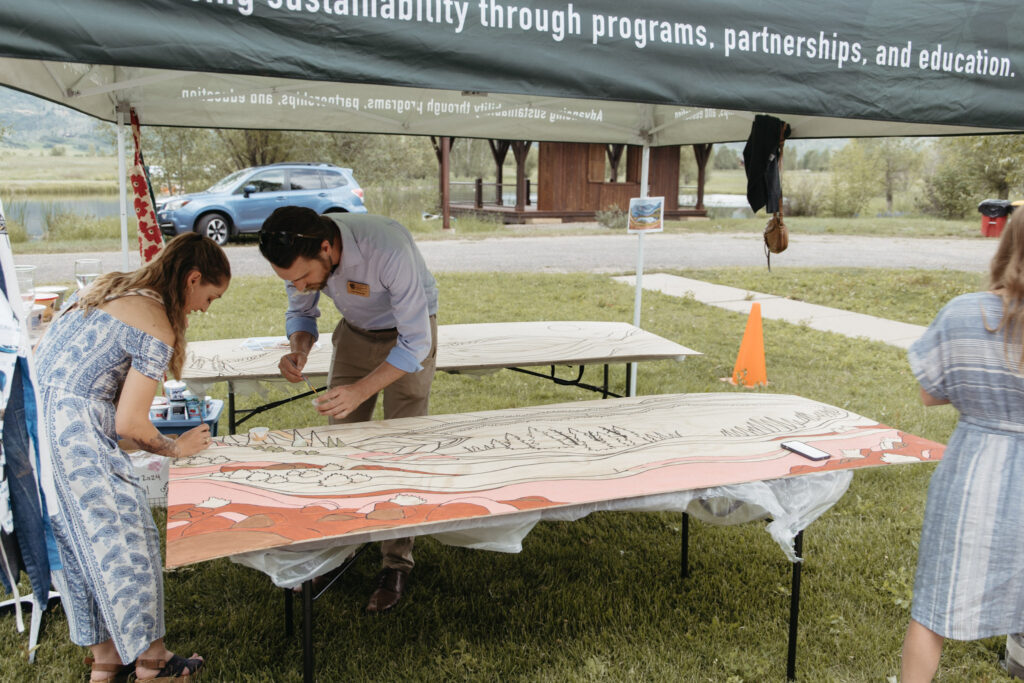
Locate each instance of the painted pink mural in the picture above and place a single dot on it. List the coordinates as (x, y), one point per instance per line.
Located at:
(286, 488)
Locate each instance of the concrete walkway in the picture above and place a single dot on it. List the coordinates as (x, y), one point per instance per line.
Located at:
(780, 308)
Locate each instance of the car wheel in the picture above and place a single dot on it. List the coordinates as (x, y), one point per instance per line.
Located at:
(216, 227)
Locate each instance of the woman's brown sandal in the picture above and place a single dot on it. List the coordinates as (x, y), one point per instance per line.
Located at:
(122, 672)
(171, 670)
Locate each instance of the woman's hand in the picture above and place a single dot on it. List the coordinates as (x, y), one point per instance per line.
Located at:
(193, 441)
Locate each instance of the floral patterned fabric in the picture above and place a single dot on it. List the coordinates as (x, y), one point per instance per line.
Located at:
(111, 585)
(151, 241)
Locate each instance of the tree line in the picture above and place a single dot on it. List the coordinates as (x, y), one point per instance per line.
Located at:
(943, 177)
(946, 177)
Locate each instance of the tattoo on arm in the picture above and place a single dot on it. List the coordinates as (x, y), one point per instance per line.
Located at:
(161, 445)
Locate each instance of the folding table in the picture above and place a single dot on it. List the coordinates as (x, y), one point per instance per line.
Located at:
(484, 479)
(469, 348)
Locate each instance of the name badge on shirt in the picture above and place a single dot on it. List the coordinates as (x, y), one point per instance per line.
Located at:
(357, 288)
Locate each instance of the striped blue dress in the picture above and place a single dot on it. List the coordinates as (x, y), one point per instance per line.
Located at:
(970, 567)
(111, 585)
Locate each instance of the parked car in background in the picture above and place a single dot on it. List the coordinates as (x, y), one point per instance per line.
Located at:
(240, 202)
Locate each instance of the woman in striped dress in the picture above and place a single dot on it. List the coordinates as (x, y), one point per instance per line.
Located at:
(970, 567)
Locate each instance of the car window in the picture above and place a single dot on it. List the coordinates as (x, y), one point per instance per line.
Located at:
(268, 181)
(305, 179)
(225, 183)
(333, 179)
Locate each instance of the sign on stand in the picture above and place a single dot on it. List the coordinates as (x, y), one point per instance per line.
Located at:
(645, 214)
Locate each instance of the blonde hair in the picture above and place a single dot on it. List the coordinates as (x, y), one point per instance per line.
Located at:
(1006, 279)
(166, 275)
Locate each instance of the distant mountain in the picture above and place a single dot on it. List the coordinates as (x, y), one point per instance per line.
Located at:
(32, 122)
(37, 123)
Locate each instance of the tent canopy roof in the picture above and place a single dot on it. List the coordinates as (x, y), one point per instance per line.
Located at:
(653, 71)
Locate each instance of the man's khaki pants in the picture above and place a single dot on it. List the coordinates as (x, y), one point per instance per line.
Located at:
(356, 353)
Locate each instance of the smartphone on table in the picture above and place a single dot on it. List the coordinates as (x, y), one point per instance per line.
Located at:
(806, 450)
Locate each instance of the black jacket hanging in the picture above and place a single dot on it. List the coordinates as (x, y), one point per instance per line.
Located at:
(761, 162)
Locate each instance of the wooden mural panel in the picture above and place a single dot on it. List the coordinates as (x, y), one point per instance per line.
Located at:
(460, 348)
(307, 486)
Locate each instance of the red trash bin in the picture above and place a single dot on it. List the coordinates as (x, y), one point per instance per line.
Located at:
(993, 216)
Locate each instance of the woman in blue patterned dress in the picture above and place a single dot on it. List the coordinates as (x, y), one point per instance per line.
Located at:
(100, 364)
(970, 567)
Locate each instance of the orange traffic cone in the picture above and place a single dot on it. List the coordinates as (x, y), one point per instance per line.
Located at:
(750, 370)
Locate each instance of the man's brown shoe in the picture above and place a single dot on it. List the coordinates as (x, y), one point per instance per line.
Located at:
(390, 584)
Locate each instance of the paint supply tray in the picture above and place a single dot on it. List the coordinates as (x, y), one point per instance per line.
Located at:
(177, 424)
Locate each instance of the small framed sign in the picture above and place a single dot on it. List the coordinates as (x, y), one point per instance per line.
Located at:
(645, 214)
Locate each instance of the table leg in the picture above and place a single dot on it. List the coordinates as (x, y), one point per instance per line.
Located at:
(794, 609)
(684, 551)
(231, 409)
(307, 631)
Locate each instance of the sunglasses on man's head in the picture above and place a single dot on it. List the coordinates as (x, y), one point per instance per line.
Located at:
(283, 239)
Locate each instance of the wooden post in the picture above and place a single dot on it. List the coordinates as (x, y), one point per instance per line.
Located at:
(701, 152)
(614, 152)
(499, 150)
(478, 193)
(442, 148)
(520, 148)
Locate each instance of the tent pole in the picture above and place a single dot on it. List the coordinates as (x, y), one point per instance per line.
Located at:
(122, 112)
(446, 209)
(644, 168)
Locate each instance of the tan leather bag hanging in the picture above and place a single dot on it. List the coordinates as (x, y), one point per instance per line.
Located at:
(776, 236)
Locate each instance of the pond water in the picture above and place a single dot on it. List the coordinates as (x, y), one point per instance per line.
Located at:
(32, 212)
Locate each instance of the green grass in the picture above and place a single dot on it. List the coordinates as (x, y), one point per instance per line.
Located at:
(910, 296)
(39, 172)
(601, 599)
(721, 181)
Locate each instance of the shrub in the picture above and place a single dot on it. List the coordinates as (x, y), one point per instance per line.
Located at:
(947, 193)
(612, 217)
(803, 194)
(854, 180)
(16, 232)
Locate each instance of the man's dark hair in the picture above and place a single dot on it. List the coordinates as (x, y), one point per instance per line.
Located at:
(294, 231)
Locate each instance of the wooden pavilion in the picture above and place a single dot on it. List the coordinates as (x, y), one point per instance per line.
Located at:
(576, 180)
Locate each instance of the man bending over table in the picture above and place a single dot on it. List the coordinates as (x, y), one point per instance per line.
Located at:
(372, 270)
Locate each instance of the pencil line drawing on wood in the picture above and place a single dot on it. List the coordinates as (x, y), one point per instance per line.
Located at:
(311, 484)
(461, 348)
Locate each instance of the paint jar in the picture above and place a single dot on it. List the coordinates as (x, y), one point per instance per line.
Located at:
(174, 390)
(177, 410)
(194, 406)
(159, 408)
(60, 290)
(49, 301)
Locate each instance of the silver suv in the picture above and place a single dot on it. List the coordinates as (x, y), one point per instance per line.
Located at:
(241, 202)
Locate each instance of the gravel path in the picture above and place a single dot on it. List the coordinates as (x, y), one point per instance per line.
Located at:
(602, 253)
